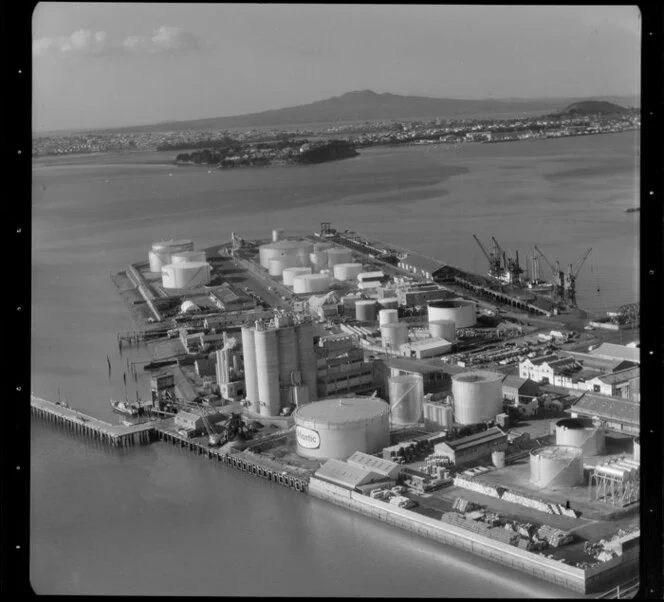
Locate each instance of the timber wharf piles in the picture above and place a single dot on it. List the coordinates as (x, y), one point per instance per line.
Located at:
(143, 434)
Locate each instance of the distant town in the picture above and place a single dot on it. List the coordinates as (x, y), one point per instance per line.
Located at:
(281, 146)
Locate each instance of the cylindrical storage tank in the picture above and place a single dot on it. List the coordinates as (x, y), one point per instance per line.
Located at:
(461, 312)
(318, 260)
(347, 271)
(337, 255)
(289, 273)
(307, 357)
(556, 466)
(278, 265)
(303, 253)
(443, 329)
(337, 428)
(157, 261)
(188, 274)
(289, 360)
(498, 458)
(311, 283)
(637, 449)
(579, 432)
(447, 417)
(613, 471)
(394, 335)
(388, 303)
(365, 310)
(322, 246)
(249, 359)
(267, 369)
(277, 234)
(349, 302)
(162, 251)
(388, 316)
(406, 395)
(478, 396)
(279, 250)
(188, 256)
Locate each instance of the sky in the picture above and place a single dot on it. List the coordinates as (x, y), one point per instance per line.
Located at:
(118, 64)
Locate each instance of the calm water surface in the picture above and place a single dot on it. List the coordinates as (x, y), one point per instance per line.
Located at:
(155, 520)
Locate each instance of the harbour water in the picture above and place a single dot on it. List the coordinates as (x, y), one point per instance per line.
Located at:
(156, 520)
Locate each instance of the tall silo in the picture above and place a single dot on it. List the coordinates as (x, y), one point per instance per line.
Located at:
(394, 335)
(289, 360)
(406, 394)
(478, 396)
(307, 355)
(250, 373)
(388, 316)
(267, 366)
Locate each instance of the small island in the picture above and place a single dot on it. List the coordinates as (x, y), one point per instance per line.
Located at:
(229, 153)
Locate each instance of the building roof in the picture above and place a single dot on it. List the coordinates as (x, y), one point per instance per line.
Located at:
(538, 361)
(411, 365)
(420, 262)
(188, 416)
(492, 434)
(621, 376)
(437, 343)
(374, 464)
(340, 473)
(515, 382)
(604, 407)
(586, 374)
(618, 352)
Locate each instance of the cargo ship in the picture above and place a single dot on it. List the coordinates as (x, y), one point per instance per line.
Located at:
(125, 408)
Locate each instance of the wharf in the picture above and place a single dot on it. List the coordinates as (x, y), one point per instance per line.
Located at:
(115, 435)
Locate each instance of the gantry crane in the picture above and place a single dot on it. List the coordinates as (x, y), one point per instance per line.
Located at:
(558, 276)
(570, 278)
(495, 267)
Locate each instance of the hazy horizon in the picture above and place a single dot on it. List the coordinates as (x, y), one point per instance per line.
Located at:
(103, 66)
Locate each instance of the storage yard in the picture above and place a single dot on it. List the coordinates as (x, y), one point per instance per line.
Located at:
(485, 403)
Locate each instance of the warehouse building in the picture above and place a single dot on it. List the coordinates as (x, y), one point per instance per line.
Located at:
(420, 294)
(380, 466)
(344, 373)
(420, 265)
(346, 475)
(519, 389)
(618, 352)
(425, 348)
(613, 413)
(474, 447)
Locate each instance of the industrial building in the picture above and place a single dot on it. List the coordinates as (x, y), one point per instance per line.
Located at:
(420, 294)
(348, 476)
(420, 265)
(380, 466)
(344, 371)
(474, 447)
(612, 351)
(425, 348)
(230, 371)
(279, 364)
(614, 414)
(336, 428)
(517, 389)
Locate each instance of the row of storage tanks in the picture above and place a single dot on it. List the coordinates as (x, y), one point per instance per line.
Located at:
(179, 265)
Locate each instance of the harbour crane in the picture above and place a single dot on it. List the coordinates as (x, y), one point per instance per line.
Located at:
(495, 267)
(558, 276)
(511, 265)
(570, 278)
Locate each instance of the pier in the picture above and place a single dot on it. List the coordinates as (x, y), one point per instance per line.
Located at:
(79, 423)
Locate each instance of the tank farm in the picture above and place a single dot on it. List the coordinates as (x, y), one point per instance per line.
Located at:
(391, 384)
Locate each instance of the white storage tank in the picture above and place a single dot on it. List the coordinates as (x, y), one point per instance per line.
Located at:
(279, 250)
(318, 260)
(189, 274)
(162, 252)
(304, 253)
(579, 432)
(406, 395)
(267, 369)
(556, 467)
(277, 266)
(289, 274)
(498, 458)
(443, 329)
(337, 255)
(478, 396)
(277, 234)
(637, 449)
(250, 373)
(388, 316)
(311, 283)
(394, 335)
(459, 311)
(322, 246)
(338, 427)
(347, 271)
(388, 303)
(365, 310)
(188, 256)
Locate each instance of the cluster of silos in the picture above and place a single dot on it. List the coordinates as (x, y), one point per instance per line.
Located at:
(478, 396)
(337, 428)
(366, 310)
(556, 467)
(185, 274)
(162, 252)
(279, 364)
(461, 312)
(443, 329)
(581, 433)
(406, 394)
(281, 254)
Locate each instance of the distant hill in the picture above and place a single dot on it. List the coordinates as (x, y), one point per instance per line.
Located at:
(593, 107)
(364, 105)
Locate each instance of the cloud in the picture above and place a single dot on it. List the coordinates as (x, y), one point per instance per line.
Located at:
(164, 40)
(81, 42)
